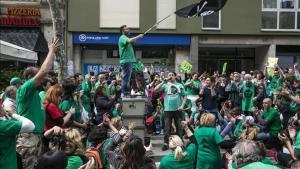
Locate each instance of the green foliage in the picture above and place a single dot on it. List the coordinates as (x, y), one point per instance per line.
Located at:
(5, 77)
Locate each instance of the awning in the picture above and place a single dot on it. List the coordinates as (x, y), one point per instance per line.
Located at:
(30, 38)
(10, 51)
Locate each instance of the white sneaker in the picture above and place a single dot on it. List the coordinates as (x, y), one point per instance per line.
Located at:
(149, 147)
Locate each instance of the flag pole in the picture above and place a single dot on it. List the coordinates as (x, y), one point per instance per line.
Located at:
(157, 23)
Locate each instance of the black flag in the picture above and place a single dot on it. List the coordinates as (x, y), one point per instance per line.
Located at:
(203, 8)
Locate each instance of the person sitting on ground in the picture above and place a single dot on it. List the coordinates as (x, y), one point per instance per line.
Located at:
(52, 160)
(269, 119)
(180, 157)
(132, 153)
(247, 155)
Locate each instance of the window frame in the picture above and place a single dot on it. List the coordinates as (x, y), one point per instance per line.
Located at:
(216, 29)
(278, 10)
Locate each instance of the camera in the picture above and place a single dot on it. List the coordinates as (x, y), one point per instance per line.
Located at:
(58, 140)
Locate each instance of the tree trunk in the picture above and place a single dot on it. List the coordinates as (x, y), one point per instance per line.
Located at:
(58, 29)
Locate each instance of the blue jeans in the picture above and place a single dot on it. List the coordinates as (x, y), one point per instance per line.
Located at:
(263, 136)
(126, 75)
(228, 129)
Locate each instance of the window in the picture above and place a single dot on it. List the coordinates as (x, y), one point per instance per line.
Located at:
(163, 9)
(212, 22)
(114, 13)
(280, 15)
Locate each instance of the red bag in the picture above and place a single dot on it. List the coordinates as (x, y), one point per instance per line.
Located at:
(149, 120)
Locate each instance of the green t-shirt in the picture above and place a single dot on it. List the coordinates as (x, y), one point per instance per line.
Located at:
(297, 142)
(265, 160)
(42, 95)
(65, 105)
(248, 94)
(9, 129)
(115, 113)
(74, 162)
(128, 55)
(190, 90)
(102, 155)
(187, 162)
(138, 66)
(30, 105)
(173, 93)
(275, 84)
(259, 165)
(273, 118)
(85, 98)
(209, 156)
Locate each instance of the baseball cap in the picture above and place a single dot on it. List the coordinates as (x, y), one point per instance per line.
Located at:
(15, 81)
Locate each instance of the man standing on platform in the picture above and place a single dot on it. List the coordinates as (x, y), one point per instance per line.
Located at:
(127, 57)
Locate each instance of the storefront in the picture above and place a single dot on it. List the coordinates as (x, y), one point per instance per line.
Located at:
(22, 27)
(98, 52)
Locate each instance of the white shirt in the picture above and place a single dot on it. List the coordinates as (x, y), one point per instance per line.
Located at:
(9, 104)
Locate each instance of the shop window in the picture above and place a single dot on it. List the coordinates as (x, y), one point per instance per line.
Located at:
(155, 52)
(212, 22)
(280, 15)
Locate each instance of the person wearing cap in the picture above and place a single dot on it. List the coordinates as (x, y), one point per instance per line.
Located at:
(16, 81)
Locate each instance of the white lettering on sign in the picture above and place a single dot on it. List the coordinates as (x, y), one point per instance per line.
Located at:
(200, 9)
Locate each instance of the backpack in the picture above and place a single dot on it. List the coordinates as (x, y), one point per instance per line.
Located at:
(93, 154)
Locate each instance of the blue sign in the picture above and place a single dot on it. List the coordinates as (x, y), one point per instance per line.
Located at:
(148, 39)
(100, 68)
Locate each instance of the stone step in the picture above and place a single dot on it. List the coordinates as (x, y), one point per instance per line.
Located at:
(158, 154)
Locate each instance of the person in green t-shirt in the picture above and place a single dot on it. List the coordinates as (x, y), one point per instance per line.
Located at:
(46, 84)
(174, 101)
(127, 57)
(249, 95)
(276, 81)
(208, 139)
(193, 87)
(269, 118)
(246, 155)
(179, 157)
(30, 106)
(11, 124)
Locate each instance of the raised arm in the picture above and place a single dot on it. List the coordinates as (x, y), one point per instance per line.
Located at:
(47, 64)
(134, 39)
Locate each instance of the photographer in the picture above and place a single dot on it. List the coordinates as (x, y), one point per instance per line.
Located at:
(11, 124)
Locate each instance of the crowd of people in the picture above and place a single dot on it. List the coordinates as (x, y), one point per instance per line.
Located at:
(253, 117)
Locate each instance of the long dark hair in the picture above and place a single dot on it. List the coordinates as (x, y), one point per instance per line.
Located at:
(69, 88)
(133, 153)
(52, 160)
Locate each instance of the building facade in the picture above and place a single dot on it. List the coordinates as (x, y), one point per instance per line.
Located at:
(28, 24)
(245, 33)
